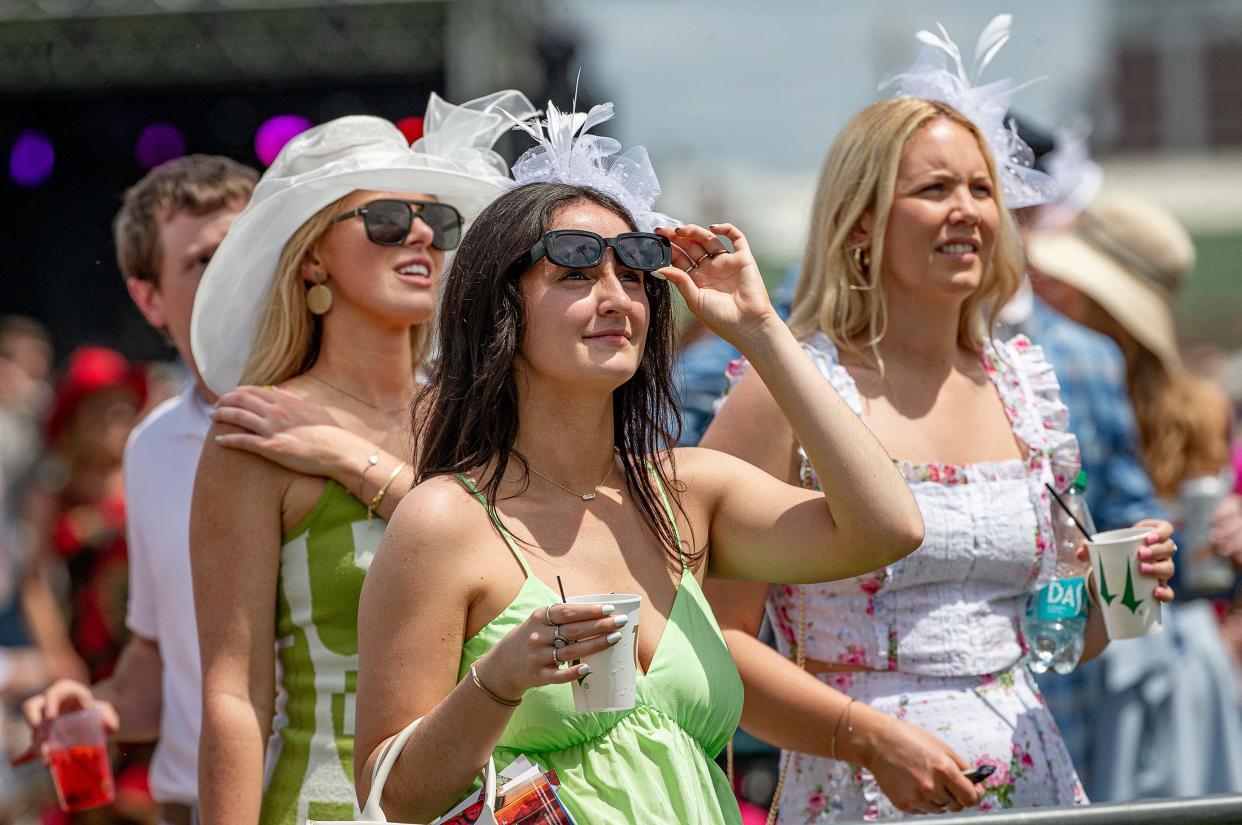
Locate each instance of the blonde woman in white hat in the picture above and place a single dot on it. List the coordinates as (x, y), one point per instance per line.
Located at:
(324, 292)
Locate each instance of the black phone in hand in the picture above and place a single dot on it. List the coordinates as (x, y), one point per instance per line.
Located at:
(980, 773)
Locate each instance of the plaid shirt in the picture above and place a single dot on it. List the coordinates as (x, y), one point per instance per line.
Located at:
(1091, 371)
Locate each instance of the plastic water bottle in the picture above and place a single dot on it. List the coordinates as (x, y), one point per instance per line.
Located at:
(1056, 616)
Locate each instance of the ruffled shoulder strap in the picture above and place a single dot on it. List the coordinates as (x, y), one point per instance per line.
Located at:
(824, 355)
(1032, 395)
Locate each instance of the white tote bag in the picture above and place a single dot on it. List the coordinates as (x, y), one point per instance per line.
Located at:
(372, 813)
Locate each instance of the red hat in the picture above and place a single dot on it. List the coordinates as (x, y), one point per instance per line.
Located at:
(91, 369)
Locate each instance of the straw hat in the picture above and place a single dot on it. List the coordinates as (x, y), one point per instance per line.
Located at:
(1131, 257)
(453, 161)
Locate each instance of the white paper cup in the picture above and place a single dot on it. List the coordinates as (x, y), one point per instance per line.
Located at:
(613, 679)
(1130, 610)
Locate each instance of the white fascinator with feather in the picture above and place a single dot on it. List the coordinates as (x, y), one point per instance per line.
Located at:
(939, 73)
(566, 153)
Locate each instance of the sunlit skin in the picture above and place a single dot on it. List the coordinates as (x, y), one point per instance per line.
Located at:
(943, 222)
(187, 243)
(584, 326)
(366, 277)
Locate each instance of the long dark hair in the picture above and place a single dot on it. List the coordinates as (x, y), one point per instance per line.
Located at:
(468, 415)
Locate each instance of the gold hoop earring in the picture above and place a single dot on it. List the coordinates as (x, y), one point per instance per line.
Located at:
(319, 297)
(862, 262)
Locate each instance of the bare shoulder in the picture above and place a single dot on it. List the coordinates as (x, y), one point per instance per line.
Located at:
(232, 473)
(437, 526)
(749, 393)
(750, 425)
(433, 510)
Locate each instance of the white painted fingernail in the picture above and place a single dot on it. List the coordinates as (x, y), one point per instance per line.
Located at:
(621, 621)
(613, 638)
(608, 609)
(584, 670)
(219, 439)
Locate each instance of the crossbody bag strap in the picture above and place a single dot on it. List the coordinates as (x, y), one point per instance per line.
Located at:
(388, 757)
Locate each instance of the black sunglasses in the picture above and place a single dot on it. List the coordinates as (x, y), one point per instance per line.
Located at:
(388, 221)
(579, 249)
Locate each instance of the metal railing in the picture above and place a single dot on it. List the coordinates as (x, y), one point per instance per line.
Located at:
(1203, 810)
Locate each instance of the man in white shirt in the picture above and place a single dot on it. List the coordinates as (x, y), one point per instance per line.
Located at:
(166, 231)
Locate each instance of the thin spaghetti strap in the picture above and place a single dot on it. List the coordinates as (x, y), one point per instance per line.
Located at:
(491, 513)
(668, 510)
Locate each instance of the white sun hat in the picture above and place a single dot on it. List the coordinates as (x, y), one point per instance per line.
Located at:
(453, 160)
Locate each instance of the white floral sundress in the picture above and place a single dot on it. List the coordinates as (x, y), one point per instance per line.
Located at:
(940, 629)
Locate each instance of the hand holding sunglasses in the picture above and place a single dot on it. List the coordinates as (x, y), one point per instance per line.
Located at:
(723, 289)
(388, 221)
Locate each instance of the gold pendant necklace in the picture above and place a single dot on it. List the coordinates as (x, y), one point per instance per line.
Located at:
(588, 496)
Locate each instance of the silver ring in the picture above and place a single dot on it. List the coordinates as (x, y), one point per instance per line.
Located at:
(704, 258)
(555, 658)
(717, 252)
(559, 641)
(692, 267)
(547, 617)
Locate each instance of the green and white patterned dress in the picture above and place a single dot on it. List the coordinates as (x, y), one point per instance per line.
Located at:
(308, 772)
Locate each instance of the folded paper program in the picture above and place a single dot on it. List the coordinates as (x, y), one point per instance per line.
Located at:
(527, 796)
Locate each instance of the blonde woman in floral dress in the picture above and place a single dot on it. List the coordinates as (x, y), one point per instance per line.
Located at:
(912, 673)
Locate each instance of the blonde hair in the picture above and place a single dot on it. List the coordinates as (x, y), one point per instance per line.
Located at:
(287, 342)
(859, 175)
(1183, 420)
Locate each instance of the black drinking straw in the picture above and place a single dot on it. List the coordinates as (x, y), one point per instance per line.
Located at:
(561, 587)
(1077, 523)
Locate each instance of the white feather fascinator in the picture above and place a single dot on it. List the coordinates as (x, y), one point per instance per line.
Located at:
(565, 153)
(939, 73)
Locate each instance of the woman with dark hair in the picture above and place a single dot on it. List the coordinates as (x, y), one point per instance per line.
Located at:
(551, 408)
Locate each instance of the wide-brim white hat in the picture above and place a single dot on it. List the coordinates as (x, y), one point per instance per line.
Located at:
(453, 161)
(1130, 257)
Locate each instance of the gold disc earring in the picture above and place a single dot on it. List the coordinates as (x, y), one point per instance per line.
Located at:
(319, 297)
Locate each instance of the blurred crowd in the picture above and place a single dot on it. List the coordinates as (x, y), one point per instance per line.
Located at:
(63, 570)
(1157, 716)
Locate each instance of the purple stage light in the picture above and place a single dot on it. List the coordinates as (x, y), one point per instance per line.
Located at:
(274, 133)
(159, 143)
(32, 159)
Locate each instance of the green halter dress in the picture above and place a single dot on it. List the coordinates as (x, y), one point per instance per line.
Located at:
(647, 765)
